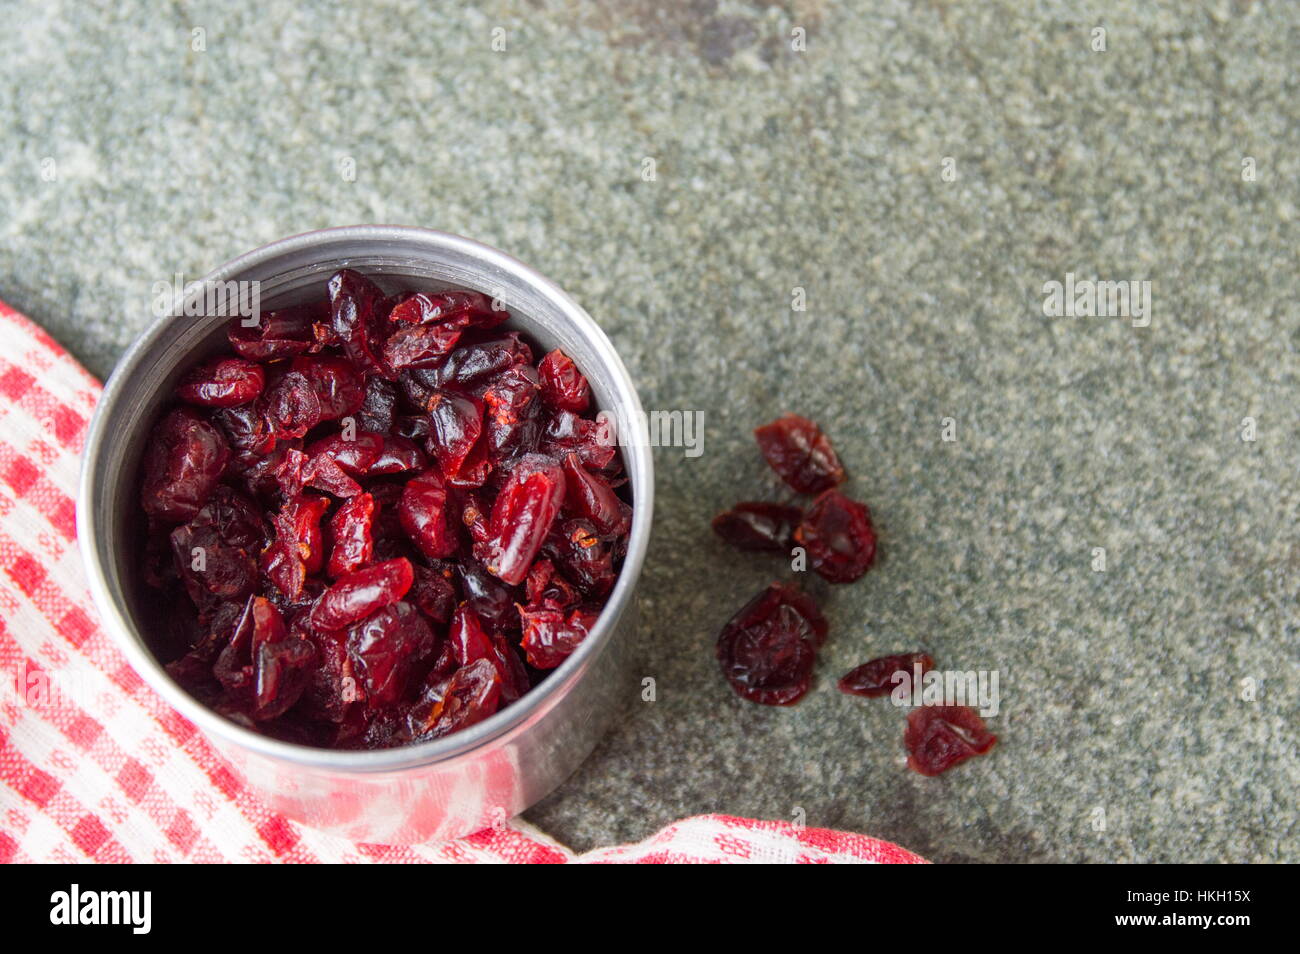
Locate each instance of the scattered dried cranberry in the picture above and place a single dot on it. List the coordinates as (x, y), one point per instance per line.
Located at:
(767, 649)
(755, 525)
(939, 737)
(800, 453)
(366, 518)
(838, 536)
(876, 677)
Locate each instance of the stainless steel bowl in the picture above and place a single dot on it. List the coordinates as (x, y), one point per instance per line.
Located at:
(419, 793)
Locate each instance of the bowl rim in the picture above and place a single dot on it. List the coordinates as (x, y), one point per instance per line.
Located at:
(514, 718)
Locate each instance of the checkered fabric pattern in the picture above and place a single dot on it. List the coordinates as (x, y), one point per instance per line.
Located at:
(95, 767)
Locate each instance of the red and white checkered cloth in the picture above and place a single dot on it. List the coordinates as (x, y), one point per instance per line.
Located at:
(95, 767)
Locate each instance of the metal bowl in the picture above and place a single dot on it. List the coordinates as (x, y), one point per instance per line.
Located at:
(418, 793)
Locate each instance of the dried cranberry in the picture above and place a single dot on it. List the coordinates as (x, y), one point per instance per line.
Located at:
(355, 317)
(261, 476)
(419, 346)
(456, 424)
(472, 362)
(546, 586)
(423, 512)
(262, 668)
(216, 552)
(839, 537)
(563, 385)
(282, 671)
(297, 551)
(291, 405)
(340, 389)
(486, 595)
(182, 465)
(222, 382)
(332, 689)
(522, 516)
(247, 431)
(278, 334)
(876, 677)
(296, 470)
(357, 455)
(382, 648)
(352, 536)
(457, 308)
(511, 417)
(595, 442)
(806, 606)
(551, 635)
(767, 649)
(361, 592)
(588, 495)
(471, 642)
(471, 695)
(398, 454)
(258, 623)
(800, 453)
(939, 737)
(755, 525)
(585, 557)
(433, 592)
(378, 407)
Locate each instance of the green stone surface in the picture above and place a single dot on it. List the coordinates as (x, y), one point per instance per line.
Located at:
(127, 155)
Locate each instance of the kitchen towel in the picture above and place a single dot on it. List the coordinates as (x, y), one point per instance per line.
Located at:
(95, 767)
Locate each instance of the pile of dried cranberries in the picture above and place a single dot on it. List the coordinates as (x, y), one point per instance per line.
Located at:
(378, 520)
(767, 650)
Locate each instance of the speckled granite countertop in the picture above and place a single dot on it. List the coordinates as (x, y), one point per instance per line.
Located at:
(920, 170)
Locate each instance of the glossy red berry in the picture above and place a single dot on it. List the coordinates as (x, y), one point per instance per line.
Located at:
(939, 737)
(357, 594)
(563, 386)
(183, 462)
(551, 635)
(878, 677)
(800, 453)
(755, 525)
(352, 536)
(839, 537)
(423, 512)
(767, 649)
(522, 516)
(222, 382)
